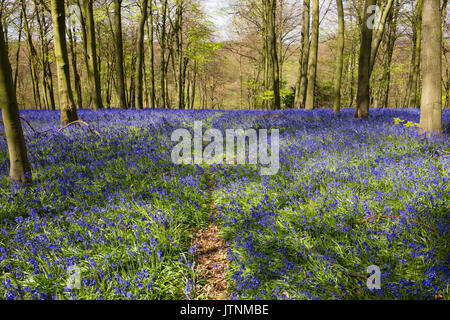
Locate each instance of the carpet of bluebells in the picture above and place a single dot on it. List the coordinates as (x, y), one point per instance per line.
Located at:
(349, 194)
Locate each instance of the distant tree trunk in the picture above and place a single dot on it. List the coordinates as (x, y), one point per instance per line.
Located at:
(339, 58)
(16, 73)
(312, 61)
(91, 55)
(194, 82)
(275, 74)
(32, 53)
(379, 34)
(180, 55)
(67, 105)
(76, 75)
(163, 54)
(20, 170)
(413, 94)
(266, 53)
(150, 37)
(140, 56)
(431, 105)
(392, 38)
(304, 57)
(47, 77)
(363, 94)
(120, 76)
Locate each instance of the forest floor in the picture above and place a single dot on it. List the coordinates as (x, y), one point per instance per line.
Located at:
(109, 208)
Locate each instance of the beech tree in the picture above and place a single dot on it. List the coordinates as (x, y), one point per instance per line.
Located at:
(304, 56)
(119, 74)
(20, 170)
(67, 105)
(91, 54)
(339, 58)
(313, 51)
(431, 103)
(363, 94)
(140, 56)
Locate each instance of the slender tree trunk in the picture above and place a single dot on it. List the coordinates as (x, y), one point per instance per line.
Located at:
(412, 98)
(19, 42)
(132, 92)
(312, 61)
(379, 34)
(392, 38)
(67, 105)
(304, 57)
(179, 44)
(431, 106)
(266, 52)
(47, 77)
(120, 76)
(91, 55)
(150, 32)
(163, 54)
(76, 75)
(275, 74)
(194, 82)
(363, 94)
(140, 56)
(20, 170)
(339, 58)
(32, 54)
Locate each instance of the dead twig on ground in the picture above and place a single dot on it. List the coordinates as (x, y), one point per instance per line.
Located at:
(83, 123)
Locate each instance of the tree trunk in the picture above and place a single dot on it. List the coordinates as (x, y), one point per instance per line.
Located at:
(91, 53)
(67, 105)
(363, 94)
(431, 104)
(339, 58)
(275, 74)
(152, 57)
(16, 74)
(413, 96)
(120, 76)
(312, 61)
(76, 75)
(304, 57)
(140, 56)
(47, 77)
(163, 53)
(379, 34)
(32, 53)
(179, 45)
(20, 170)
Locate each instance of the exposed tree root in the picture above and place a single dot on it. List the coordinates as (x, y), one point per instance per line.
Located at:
(83, 123)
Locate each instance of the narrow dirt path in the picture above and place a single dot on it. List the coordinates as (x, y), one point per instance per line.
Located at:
(211, 255)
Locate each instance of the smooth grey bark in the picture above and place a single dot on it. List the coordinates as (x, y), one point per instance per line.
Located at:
(140, 57)
(20, 169)
(118, 41)
(312, 61)
(363, 94)
(91, 55)
(339, 58)
(431, 103)
(67, 105)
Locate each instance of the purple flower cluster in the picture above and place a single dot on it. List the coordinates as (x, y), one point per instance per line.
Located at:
(349, 194)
